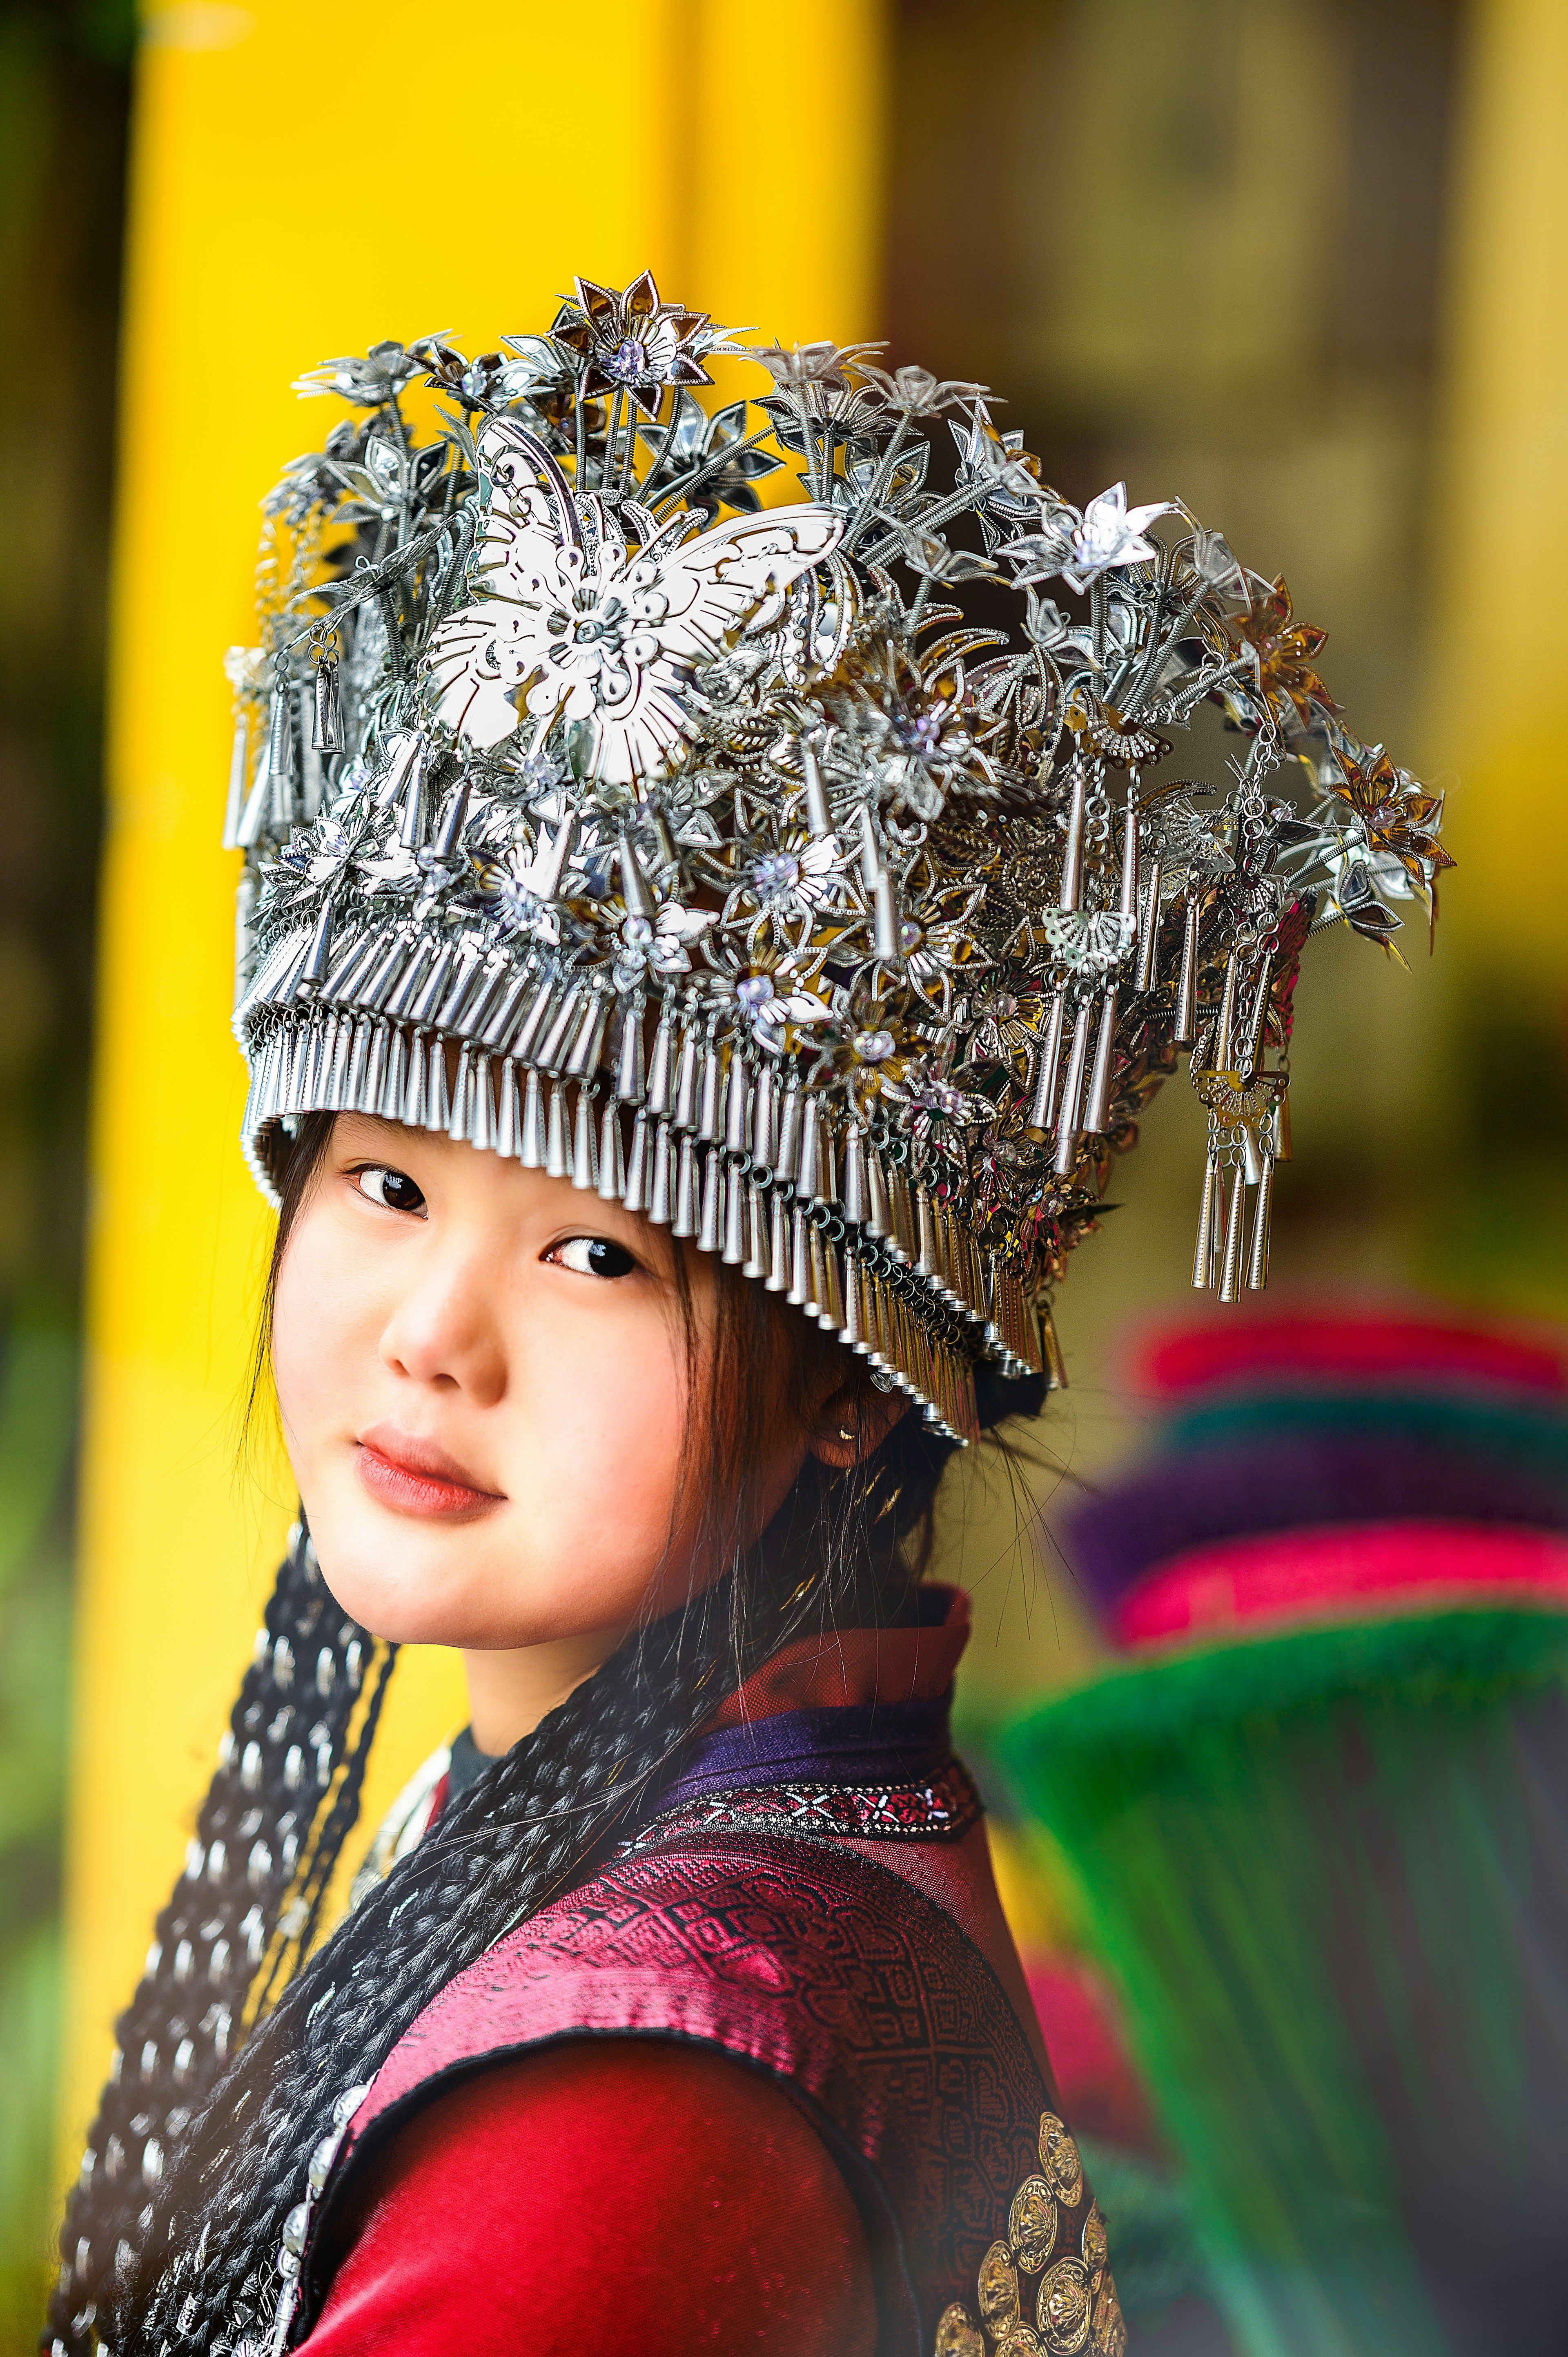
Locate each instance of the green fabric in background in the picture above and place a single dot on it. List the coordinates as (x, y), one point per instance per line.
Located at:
(1302, 1859)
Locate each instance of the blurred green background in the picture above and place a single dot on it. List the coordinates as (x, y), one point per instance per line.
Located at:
(1208, 246)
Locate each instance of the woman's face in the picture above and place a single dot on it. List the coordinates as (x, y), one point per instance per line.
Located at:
(483, 1378)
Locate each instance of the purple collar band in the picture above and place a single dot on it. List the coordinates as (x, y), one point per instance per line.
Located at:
(870, 1743)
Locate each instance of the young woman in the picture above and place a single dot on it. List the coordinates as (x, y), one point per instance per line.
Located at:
(693, 1005)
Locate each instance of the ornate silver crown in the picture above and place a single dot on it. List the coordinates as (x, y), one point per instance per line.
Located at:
(726, 858)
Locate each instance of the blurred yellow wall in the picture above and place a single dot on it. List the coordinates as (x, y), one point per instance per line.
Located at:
(306, 180)
(1500, 671)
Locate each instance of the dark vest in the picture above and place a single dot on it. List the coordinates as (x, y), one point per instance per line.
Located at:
(859, 1996)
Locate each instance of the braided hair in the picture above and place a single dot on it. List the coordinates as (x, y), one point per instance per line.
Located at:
(243, 2033)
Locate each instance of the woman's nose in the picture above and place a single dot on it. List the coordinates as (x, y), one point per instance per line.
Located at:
(443, 1329)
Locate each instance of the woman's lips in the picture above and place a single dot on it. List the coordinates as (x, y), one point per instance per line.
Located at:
(418, 1477)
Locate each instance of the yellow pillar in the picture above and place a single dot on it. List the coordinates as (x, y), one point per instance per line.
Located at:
(304, 183)
(1501, 674)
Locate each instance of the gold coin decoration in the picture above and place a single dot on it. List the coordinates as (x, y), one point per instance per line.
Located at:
(1063, 2313)
(998, 2291)
(1032, 2224)
(958, 2335)
(1059, 2163)
(1108, 2334)
(1022, 2341)
(1095, 2247)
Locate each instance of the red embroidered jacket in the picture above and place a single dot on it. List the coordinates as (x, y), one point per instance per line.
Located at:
(770, 2080)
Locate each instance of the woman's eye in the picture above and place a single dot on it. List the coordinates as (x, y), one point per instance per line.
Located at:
(393, 1189)
(593, 1256)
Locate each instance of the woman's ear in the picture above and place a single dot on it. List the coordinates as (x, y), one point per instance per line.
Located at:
(853, 1421)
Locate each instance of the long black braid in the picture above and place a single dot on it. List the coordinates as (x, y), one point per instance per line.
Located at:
(181, 2251)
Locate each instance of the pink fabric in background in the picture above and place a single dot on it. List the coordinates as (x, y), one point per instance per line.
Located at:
(1339, 1571)
(1349, 1350)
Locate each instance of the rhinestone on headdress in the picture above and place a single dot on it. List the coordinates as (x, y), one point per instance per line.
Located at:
(699, 849)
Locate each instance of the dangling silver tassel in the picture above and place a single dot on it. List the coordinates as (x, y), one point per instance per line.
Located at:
(361, 1082)
(1184, 1029)
(1071, 892)
(1097, 1113)
(734, 1253)
(612, 1170)
(808, 1174)
(712, 1197)
(1225, 1028)
(312, 973)
(789, 1154)
(411, 833)
(585, 1161)
(889, 927)
(658, 1097)
(582, 1061)
(238, 779)
(628, 1057)
(280, 808)
(708, 1115)
(755, 1264)
(658, 1207)
(1129, 902)
(532, 1023)
(1200, 1271)
(853, 1329)
(736, 1104)
(878, 1214)
(551, 1054)
(778, 1277)
(1072, 1092)
(246, 893)
(459, 1121)
(800, 1293)
(486, 1127)
(762, 1117)
(854, 1175)
(831, 1298)
(927, 1263)
(685, 1221)
(686, 1081)
(819, 817)
(557, 1160)
(634, 1192)
(416, 1101)
(532, 1147)
(1231, 1279)
(508, 1114)
(327, 735)
(1258, 1266)
(396, 1077)
(1149, 929)
(440, 1113)
(1038, 1124)
(817, 1284)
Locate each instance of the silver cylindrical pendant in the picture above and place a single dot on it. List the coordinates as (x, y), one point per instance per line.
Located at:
(889, 928)
(659, 1202)
(1149, 928)
(762, 1117)
(238, 779)
(327, 734)
(854, 1174)
(634, 1194)
(1258, 1264)
(1185, 1025)
(1225, 1028)
(1097, 1113)
(1129, 903)
(628, 1056)
(557, 1154)
(1231, 1279)
(734, 1185)
(788, 1159)
(1205, 1227)
(819, 817)
(1072, 850)
(686, 1082)
(686, 1190)
(1046, 1070)
(736, 1104)
(280, 736)
(1072, 1095)
(658, 1065)
(778, 1277)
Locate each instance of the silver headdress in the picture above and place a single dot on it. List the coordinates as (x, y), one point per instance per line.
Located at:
(722, 857)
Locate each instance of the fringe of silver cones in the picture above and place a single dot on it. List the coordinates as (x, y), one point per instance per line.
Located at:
(694, 851)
